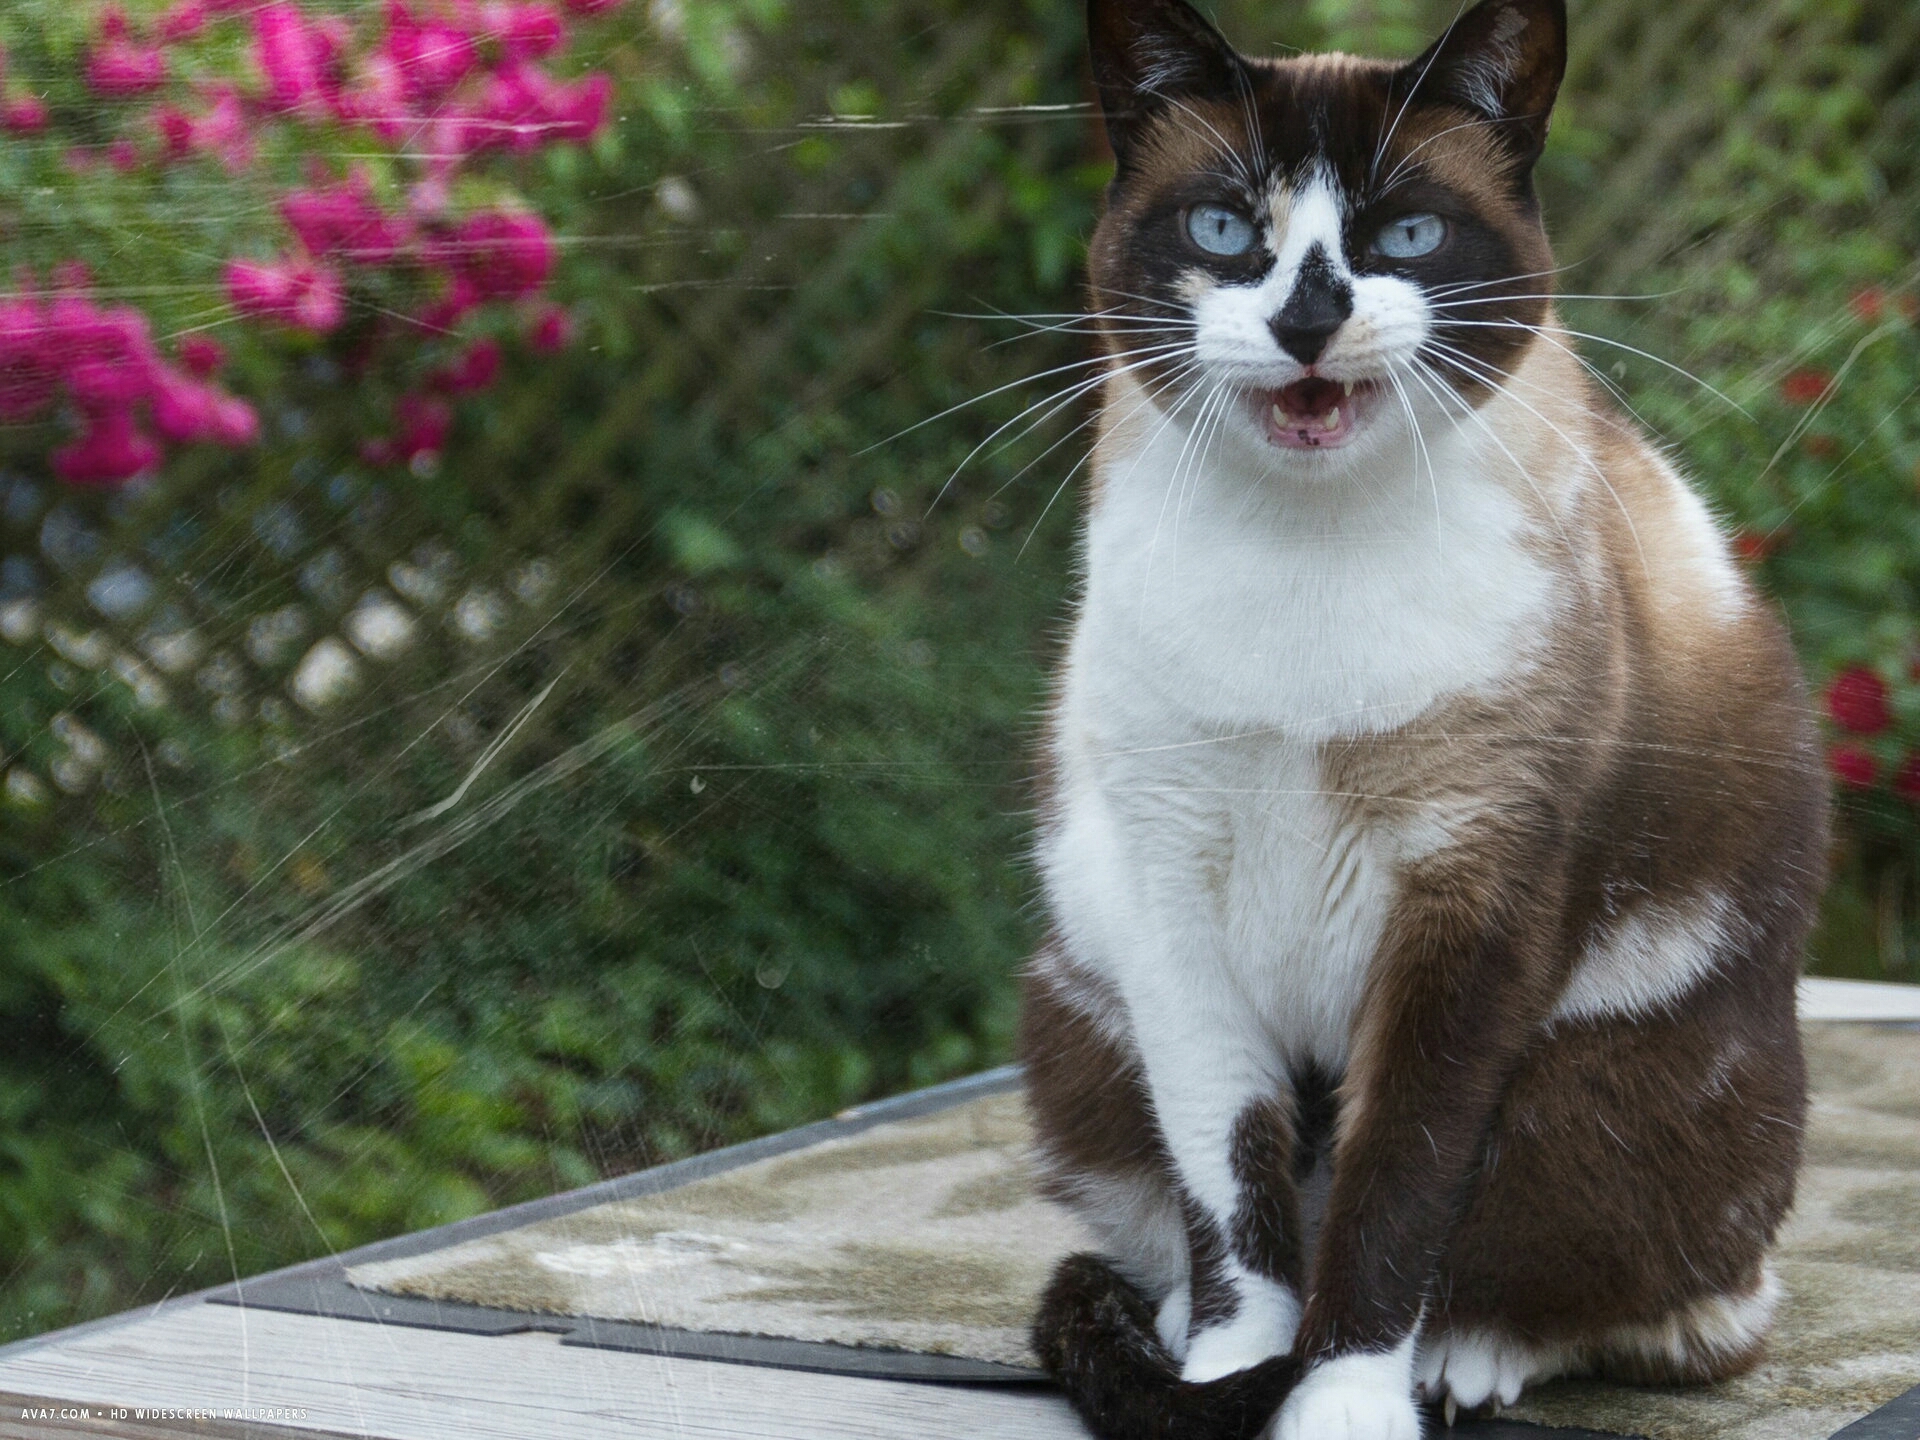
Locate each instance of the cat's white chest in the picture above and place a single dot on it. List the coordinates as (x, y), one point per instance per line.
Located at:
(1226, 598)
(1199, 859)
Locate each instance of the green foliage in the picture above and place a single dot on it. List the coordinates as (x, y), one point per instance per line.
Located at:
(716, 823)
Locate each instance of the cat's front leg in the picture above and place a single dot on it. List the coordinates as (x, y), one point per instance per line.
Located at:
(1226, 1116)
(1460, 984)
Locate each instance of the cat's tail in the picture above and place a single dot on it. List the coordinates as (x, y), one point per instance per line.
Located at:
(1095, 1335)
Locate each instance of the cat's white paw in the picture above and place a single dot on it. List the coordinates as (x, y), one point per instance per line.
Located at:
(1475, 1367)
(1356, 1397)
(1261, 1328)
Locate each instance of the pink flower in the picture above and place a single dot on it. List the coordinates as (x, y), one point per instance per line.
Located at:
(236, 423)
(527, 32)
(223, 131)
(118, 65)
(1857, 701)
(202, 355)
(432, 56)
(183, 20)
(110, 451)
(77, 331)
(29, 378)
(593, 7)
(183, 409)
(345, 221)
(378, 99)
(581, 108)
(503, 254)
(477, 367)
(122, 155)
(23, 115)
(459, 301)
(551, 330)
(296, 293)
(521, 107)
(292, 57)
(101, 385)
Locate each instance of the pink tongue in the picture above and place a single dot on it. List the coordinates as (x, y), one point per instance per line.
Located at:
(1308, 398)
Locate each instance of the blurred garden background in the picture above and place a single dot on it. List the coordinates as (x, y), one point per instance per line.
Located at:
(520, 654)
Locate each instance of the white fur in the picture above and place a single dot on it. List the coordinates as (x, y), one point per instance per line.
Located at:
(1719, 1327)
(1476, 1367)
(1651, 957)
(1263, 1326)
(1353, 1397)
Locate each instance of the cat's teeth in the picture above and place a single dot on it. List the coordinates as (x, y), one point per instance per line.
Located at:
(1332, 420)
(1348, 384)
(1279, 416)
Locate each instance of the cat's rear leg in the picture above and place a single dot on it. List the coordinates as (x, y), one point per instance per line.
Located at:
(1098, 1150)
(1710, 1339)
(1625, 1205)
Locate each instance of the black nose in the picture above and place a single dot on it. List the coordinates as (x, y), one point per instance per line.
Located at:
(1319, 305)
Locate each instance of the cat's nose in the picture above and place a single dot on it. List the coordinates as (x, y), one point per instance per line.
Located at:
(1319, 305)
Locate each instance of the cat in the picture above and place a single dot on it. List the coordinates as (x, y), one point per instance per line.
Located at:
(1428, 789)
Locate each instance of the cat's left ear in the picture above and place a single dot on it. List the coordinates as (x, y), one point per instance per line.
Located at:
(1503, 59)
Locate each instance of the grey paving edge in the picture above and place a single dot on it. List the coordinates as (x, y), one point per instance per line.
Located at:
(320, 1287)
(1898, 1419)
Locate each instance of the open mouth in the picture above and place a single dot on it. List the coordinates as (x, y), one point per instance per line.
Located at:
(1315, 413)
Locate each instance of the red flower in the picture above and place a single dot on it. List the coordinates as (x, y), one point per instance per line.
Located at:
(1857, 699)
(176, 131)
(424, 426)
(202, 354)
(1756, 545)
(1869, 304)
(1821, 446)
(477, 367)
(1906, 780)
(551, 330)
(1803, 387)
(1853, 766)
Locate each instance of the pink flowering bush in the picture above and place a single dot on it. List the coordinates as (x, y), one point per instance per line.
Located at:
(353, 174)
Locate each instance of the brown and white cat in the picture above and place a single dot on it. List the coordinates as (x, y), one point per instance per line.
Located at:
(1427, 784)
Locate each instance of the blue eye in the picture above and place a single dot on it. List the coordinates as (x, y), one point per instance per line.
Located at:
(1410, 237)
(1220, 231)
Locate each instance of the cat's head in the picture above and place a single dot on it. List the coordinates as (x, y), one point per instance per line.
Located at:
(1328, 247)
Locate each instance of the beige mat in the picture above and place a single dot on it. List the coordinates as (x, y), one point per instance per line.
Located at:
(924, 1235)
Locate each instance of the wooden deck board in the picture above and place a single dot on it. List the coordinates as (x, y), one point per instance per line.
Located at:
(385, 1383)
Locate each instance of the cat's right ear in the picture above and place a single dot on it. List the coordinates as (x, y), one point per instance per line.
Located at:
(1150, 55)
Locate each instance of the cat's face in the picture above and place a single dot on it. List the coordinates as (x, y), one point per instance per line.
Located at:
(1318, 257)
